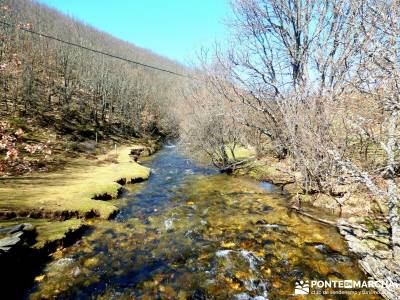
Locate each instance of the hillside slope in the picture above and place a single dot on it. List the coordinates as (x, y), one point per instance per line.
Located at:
(58, 97)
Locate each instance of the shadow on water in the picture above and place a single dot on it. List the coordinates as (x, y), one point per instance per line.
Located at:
(192, 233)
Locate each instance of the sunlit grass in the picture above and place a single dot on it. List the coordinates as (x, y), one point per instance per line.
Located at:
(73, 188)
(240, 153)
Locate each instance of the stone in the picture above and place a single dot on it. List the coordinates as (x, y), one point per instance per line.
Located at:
(198, 294)
(12, 229)
(267, 208)
(76, 272)
(10, 241)
(326, 201)
(228, 244)
(16, 236)
(91, 262)
(383, 269)
(276, 283)
(375, 261)
(62, 263)
(293, 188)
(261, 222)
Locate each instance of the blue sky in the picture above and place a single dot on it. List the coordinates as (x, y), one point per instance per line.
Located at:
(172, 28)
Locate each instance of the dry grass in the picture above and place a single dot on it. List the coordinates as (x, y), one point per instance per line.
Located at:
(72, 189)
(241, 153)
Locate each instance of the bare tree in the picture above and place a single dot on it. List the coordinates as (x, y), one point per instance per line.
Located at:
(378, 79)
(290, 57)
(207, 126)
(42, 77)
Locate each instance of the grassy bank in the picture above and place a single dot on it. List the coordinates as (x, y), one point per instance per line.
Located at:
(57, 203)
(73, 190)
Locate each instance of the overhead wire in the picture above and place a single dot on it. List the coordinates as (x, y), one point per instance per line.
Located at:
(95, 50)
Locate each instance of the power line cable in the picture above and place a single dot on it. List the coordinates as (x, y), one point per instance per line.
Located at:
(94, 50)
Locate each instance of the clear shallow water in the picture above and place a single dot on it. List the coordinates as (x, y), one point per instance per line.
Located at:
(191, 233)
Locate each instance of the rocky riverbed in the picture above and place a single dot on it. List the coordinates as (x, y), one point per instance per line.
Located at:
(349, 208)
(192, 233)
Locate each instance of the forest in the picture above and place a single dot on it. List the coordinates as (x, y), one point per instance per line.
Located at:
(304, 94)
(79, 93)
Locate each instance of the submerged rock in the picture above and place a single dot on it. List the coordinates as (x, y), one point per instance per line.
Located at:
(169, 225)
(245, 296)
(62, 263)
(267, 208)
(322, 248)
(228, 244)
(267, 242)
(198, 294)
(40, 278)
(194, 235)
(76, 272)
(261, 222)
(272, 226)
(223, 253)
(91, 262)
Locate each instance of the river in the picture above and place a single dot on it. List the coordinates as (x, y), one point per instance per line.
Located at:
(192, 233)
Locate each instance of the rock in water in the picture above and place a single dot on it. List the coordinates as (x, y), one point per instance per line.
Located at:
(17, 235)
(76, 272)
(11, 241)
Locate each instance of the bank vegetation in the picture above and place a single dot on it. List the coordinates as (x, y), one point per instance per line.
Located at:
(314, 85)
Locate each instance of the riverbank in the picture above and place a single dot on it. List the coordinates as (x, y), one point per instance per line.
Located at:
(352, 209)
(74, 191)
(56, 206)
(190, 232)
(80, 190)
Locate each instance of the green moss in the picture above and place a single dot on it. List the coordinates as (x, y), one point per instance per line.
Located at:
(47, 231)
(370, 224)
(266, 171)
(261, 171)
(17, 122)
(54, 231)
(72, 189)
(240, 153)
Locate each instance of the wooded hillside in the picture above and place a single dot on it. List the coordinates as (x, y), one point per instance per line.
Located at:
(77, 92)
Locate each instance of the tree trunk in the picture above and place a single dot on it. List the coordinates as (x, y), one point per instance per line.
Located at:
(394, 219)
(393, 198)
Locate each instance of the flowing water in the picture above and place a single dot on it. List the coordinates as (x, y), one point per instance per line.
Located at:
(192, 233)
